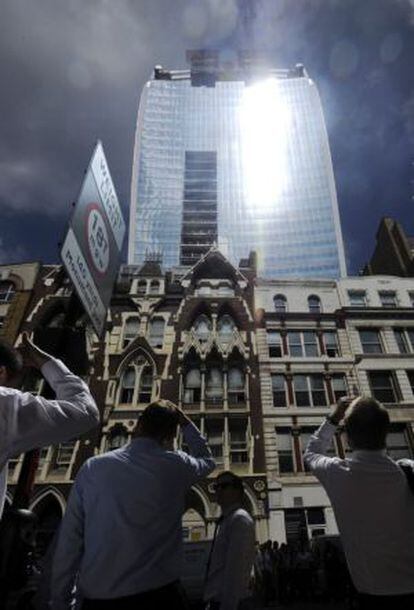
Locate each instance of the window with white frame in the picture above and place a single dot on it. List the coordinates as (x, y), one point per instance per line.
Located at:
(280, 303)
(330, 339)
(238, 441)
(137, 382)
(156, 332)
(131, 330)
(214, 430)
(142, 286)
(388, 298)
(279, 392)
(339, 385)
(411, 297)
(370, 341)
(154, 287)
(235, 385)
(303, 343)
(383, 386)
(274, 342)
(314, 304)
(214, 385)
(145, 385)
(405, 339)
(410, 375)
(309, 390)
(357, 298)
(284, 446)
(202, 328)
(398, 443)
(63, 455)
(225, 328)
(7, 291)
(128, 385)
(192, 386)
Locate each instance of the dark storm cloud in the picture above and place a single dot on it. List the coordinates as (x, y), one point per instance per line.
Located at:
(72, 72)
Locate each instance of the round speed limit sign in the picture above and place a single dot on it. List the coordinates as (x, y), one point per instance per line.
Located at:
(97, 239)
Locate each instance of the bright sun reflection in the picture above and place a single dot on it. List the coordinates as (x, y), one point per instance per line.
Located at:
(264, 121)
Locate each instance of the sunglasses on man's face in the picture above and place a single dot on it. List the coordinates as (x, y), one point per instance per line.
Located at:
(223, 485)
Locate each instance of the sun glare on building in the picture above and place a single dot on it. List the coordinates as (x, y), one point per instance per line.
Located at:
(265, 123)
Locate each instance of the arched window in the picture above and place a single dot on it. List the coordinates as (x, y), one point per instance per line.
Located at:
(192, 386)
(214, 385)
(235, 385)
(225, 327)
(7, 290)
(128, 385)
(154, 287)
(280, 303)
(117, 437)
(145, 385)
(136, 382)
(142, 286)
(202, 328)
(314, 304)
(131, 330)
(156, 332)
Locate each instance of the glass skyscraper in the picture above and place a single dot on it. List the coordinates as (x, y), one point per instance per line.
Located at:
(237, 156)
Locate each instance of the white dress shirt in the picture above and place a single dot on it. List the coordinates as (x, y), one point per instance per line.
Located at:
(232, 559)
(28, 421)
(374, 509)
(122, 530)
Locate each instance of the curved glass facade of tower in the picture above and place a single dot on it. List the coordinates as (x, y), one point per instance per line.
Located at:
(243, 163)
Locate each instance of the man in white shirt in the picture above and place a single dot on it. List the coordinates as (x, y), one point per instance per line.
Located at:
(27, 421)
(121, 536)
(233, 550)
(372, 501)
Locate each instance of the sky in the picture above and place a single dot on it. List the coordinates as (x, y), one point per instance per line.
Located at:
(72, 71)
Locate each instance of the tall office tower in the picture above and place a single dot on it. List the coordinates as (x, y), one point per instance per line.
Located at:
(235, 155)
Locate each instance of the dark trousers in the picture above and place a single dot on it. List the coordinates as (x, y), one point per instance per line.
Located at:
(170, 596)
(385, 602)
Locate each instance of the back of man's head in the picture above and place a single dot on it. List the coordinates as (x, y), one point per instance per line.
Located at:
(159, 421)
(10, 360)
(227, 476)
(366, 424)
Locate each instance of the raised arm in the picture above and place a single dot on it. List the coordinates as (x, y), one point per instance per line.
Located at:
(28, 421)
(316, 450)
(200, 463)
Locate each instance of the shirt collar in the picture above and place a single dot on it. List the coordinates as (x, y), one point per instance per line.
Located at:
(369, 454)
(230, 509)
(144, 442)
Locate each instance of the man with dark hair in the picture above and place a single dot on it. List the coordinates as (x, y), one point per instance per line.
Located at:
(121, 536)
(28, 421)
(372, 501)
(232, 551)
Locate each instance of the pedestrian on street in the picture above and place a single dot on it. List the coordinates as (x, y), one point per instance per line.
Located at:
(28, 421)
(372, 501)
(120, 541)
(233, 549)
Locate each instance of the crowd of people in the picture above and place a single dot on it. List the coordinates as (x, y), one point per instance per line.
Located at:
(120, 541)
(288, 573)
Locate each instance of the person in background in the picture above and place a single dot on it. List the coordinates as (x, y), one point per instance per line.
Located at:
(120, 541)
(28, 421)
(233, 549)
(372, 501)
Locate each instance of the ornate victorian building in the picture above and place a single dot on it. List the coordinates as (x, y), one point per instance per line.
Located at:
(188, 336)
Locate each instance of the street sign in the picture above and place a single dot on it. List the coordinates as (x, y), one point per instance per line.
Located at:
(92, 247)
